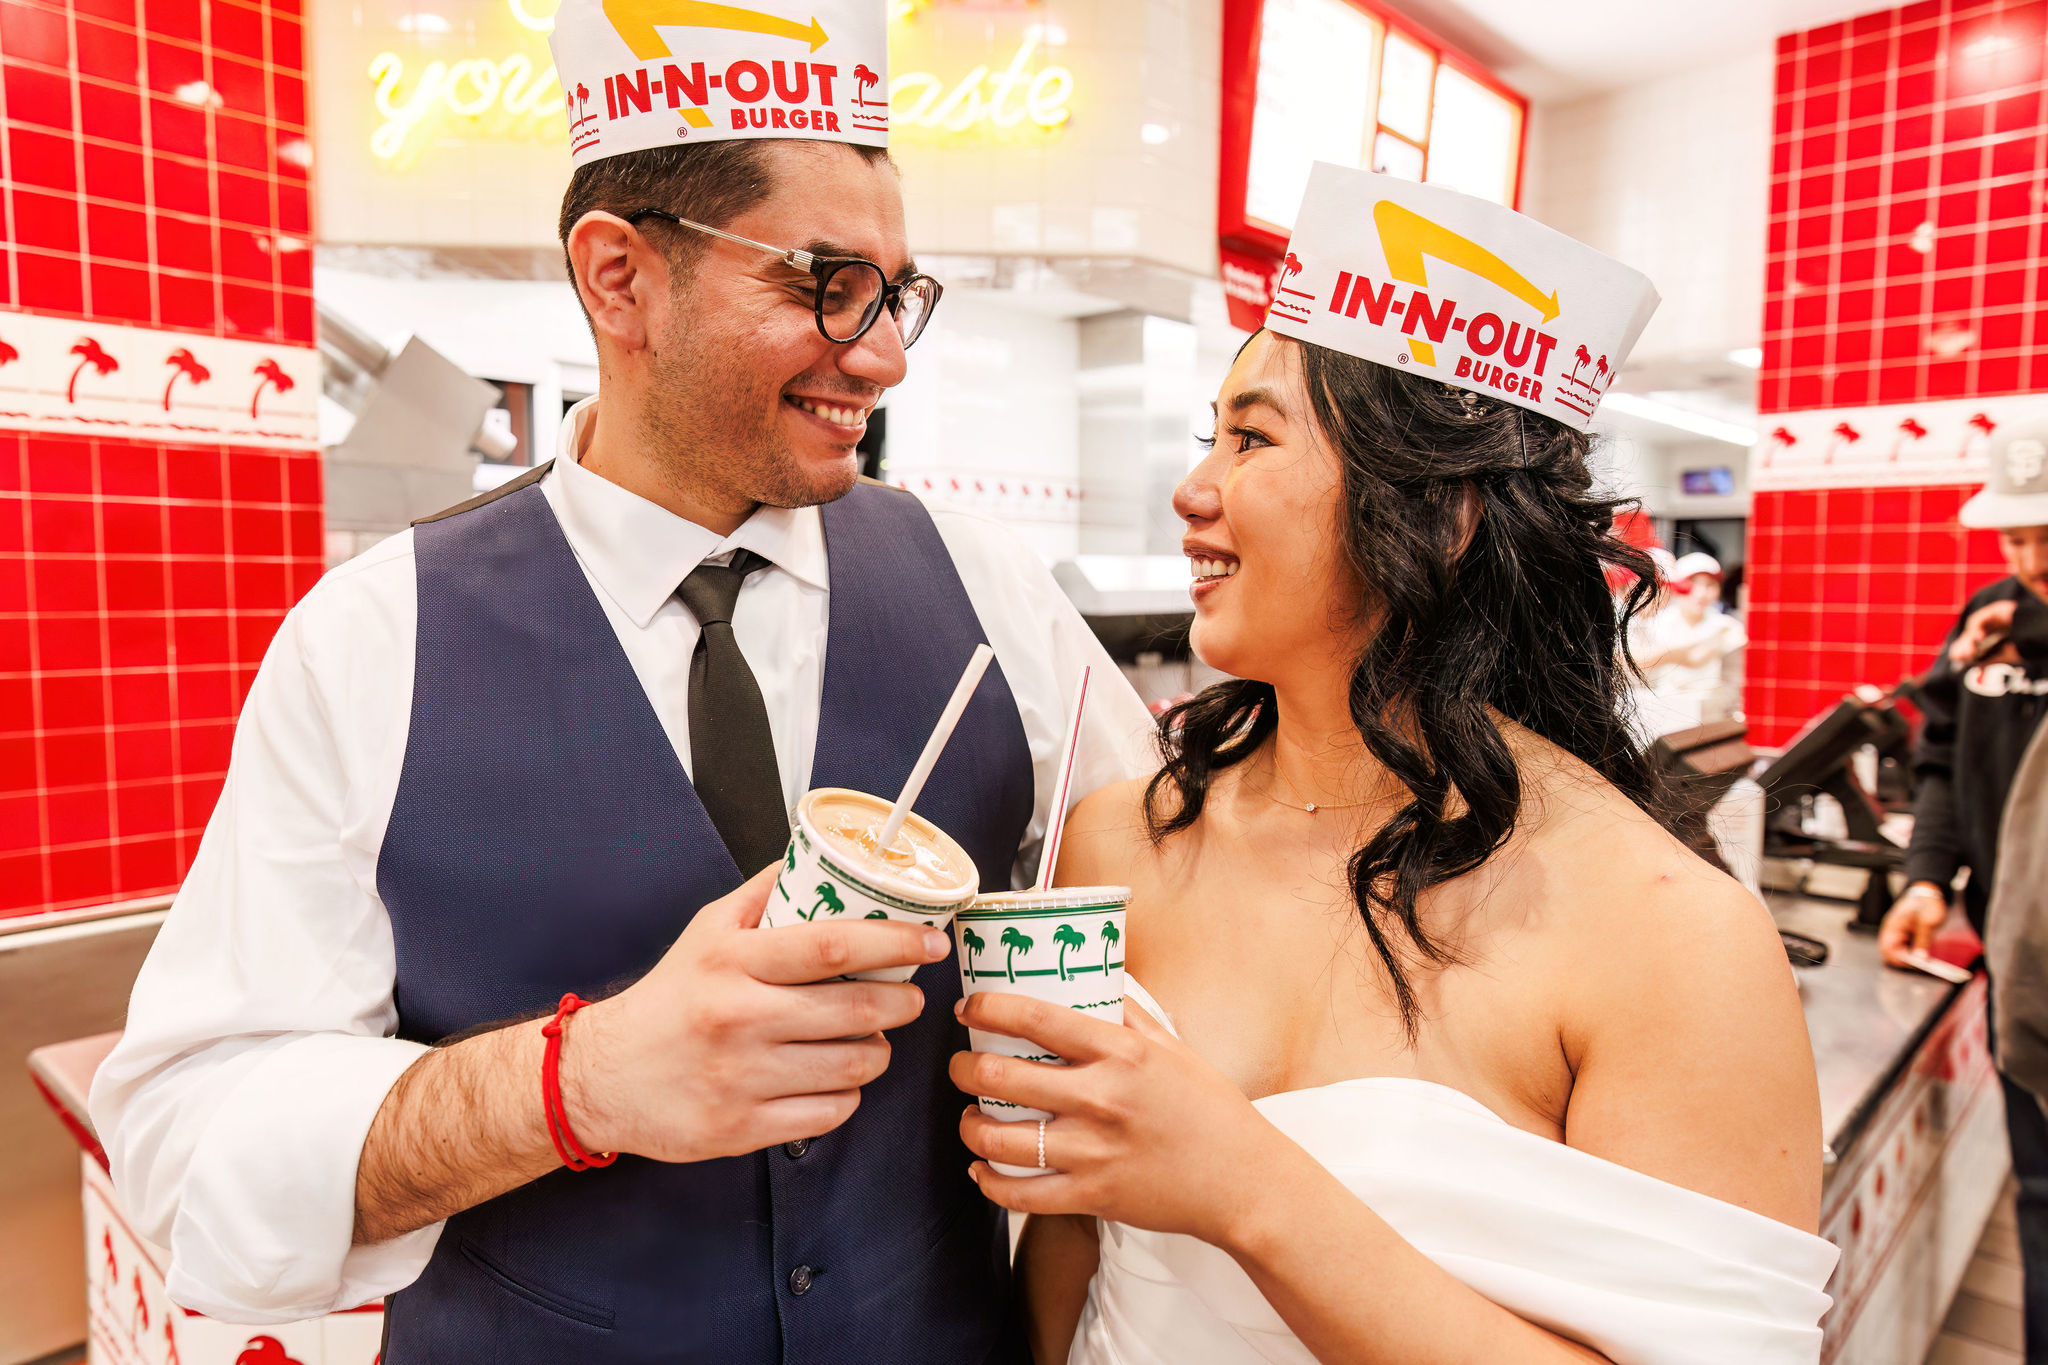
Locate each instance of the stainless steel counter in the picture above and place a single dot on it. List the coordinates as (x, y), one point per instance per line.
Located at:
(1865, 1019)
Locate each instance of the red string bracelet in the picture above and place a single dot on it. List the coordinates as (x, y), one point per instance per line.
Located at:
(566, 1146)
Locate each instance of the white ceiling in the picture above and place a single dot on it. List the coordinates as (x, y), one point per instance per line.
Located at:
(1560, 49)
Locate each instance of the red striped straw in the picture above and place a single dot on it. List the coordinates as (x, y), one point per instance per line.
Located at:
(1056, 819)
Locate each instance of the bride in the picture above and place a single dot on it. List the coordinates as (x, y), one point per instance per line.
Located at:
(1445, 1050)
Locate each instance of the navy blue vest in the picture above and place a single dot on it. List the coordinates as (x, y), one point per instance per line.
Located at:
(545, 839)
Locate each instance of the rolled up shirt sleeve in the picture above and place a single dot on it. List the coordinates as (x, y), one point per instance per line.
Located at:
(258, 1046)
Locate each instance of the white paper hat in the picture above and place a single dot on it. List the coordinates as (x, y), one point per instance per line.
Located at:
(1687, 566)
(652, 73)
(1459, 289)
(2017, 494)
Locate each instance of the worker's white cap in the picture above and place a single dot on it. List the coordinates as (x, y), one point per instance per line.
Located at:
(1666, 565)
(1690, 565)
(1459, 289)
(2017, 493)
(655, 73)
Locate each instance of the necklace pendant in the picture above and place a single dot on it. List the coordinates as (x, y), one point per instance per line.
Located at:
(1310, 807)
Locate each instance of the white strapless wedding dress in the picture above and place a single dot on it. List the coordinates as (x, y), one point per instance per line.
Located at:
(1643, 1271)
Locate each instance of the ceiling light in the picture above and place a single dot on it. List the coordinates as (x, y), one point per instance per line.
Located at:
(1664, 414)
(1152, 134)
(423, 21)
(1748, 357)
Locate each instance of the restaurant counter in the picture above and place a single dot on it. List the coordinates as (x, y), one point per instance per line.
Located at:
(1913, 1124)
(1910, 1113)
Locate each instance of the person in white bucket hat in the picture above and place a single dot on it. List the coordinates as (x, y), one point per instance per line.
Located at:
(1982, 704)
(1445, 1049)
(531, 751)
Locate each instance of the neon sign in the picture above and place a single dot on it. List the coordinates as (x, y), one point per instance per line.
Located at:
(919, 99)
(515, 97)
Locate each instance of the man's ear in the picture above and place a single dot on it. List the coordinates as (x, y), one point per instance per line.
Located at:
(618, 275)
(1470, 509)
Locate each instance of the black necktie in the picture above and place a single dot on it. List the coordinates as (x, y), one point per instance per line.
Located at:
(732, 751)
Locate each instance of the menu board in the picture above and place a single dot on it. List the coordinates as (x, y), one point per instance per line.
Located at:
(1348, 82)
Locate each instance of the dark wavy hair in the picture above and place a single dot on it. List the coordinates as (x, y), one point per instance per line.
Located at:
(1521, 622)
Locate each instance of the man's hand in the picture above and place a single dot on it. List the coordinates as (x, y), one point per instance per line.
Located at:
(726, 1046)
(1910, 925)
(1985, 623)
(741, 1038)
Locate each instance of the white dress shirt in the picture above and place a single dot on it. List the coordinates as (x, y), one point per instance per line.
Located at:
(259, 1042)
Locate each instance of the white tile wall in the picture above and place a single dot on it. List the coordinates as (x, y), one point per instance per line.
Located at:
(1673, 177)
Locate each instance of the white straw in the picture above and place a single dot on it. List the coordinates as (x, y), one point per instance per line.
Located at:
(885, 838)
(1056, 819)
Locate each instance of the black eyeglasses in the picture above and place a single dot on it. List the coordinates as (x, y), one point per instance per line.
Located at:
(850, 292)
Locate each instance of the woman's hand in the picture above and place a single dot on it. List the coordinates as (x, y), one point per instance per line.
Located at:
(1146, 1133)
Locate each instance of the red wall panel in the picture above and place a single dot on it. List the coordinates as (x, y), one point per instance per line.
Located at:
(153, 172)
(1907, 266)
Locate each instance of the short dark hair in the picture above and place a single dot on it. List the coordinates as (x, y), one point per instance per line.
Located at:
(708, 182)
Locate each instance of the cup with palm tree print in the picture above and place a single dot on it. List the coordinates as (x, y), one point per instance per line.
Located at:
(832, 870)
(1064, 945)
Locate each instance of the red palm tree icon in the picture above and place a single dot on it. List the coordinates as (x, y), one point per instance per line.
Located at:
(89, 352)
(1845, 435)
(265, 1351)
(1983, 423)
(582, 98)
(863, 78)
(113, 1266)
(1600, 369)
(1584, 358)
(1912, 428)
(183, 365)
(8, 355)
(273, 377)
(1290, 266)
(141, 1313)
(170, 1341)
(1781, 439)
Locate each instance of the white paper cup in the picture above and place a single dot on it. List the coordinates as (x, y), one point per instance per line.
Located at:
(822, 879)
(1064, 946)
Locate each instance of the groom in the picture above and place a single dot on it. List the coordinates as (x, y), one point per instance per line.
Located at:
(533, 747)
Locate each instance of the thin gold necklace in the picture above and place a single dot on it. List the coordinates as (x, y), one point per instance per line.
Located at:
(1311, 807)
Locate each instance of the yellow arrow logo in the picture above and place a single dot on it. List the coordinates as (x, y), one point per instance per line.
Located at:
(638, 20)
(1406, 237)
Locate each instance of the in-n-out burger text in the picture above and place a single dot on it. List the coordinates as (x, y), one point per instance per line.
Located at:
(783, 89)
(1520, 348)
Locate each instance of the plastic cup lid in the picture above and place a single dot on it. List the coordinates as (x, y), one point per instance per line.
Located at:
(1054, 898)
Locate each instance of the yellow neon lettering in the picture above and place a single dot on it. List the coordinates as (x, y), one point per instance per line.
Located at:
(1406, 237)
(539, 23)
(486, 82)
(920, 99)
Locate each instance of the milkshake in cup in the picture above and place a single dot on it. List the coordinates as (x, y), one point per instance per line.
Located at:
(1063, 945)
(833, 870)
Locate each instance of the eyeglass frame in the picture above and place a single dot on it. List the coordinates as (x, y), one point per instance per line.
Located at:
(821, 269)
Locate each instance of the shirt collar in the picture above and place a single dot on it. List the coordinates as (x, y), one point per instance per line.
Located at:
(639, 551)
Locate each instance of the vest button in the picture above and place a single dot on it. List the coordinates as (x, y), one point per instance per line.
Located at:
(797, 1148)
(800, 1280)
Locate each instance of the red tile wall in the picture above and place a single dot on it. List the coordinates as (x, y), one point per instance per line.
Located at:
(1907, 264)
(1906, 260)
(153, 171)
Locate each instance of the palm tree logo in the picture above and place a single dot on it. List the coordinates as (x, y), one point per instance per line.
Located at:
(974, 944)
(1584, 358)
(8, 355)
(828, 899)
(1016, 942)
(1600, 369)
(184, 365)
(89, 352)
(582, 98)
(1067, 936)
(1290, 266)
(1909, 430)
(1845, 435)
(265, 1351)
(863, 79)
(273, 376)
(1111, 935)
